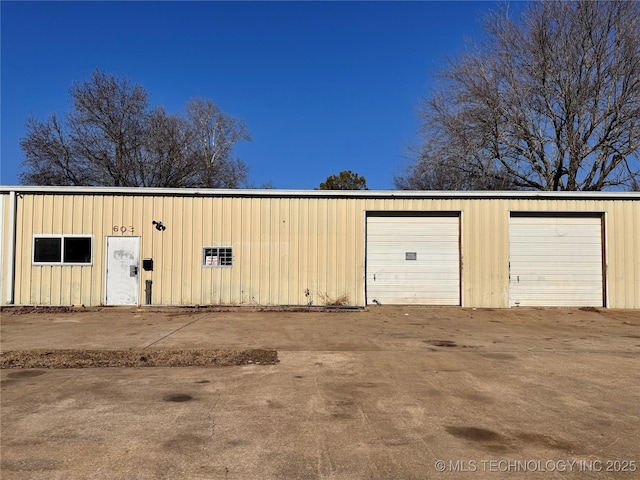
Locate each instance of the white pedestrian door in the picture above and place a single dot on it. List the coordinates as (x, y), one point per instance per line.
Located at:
(123, 262)
(413, 260)
(555, 261)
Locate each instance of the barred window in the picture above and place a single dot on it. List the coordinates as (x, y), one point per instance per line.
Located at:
(217, 256)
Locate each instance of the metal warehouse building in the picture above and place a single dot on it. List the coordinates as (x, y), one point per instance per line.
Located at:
(134, 246)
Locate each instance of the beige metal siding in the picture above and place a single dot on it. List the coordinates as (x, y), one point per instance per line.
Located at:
(485, 259)
(283, 246)
(623, 252)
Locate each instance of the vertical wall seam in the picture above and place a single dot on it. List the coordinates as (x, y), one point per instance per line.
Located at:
(11, 257)
(2, 234)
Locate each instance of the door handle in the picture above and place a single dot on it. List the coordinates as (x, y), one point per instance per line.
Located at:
(133, 270)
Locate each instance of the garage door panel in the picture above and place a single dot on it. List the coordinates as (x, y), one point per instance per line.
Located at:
(541, 231)
(555, 261)
(558, 245)
(398, 294)
(558, 264)
(558, 295)
(424, 275)
(433, 249)
(400, 290)
(448, 280)
(565, 287)
(534, 299)
(432, 242)
(554, 302)
(413, 260)
(424, 268)
(559, 278)
(418, 300)
(559, 256)
(421, 254)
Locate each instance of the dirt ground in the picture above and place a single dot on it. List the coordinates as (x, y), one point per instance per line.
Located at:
(383, 393)
(82, 358)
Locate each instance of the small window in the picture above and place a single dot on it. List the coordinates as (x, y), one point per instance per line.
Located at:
(47, 250)
(62, 250)
(217, 257)
(77, 250)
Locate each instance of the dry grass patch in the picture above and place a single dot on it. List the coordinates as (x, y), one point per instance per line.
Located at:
(135, 358)
(26, 310)
(339, 301)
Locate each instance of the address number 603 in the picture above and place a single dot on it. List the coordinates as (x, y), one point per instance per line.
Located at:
(122, 229)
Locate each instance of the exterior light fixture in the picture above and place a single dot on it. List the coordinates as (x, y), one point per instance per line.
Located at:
(159, 226)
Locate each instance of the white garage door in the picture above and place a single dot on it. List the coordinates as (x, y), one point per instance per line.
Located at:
(413, 260)
(555, 261)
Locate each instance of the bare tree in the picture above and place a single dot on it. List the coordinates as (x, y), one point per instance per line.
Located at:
(167, 162)
(442, 169)
(214, 134)
(550, 102)
(50, 156)
(113, 138)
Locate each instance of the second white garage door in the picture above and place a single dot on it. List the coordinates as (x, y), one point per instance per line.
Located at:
(413, 260)
(555, 261)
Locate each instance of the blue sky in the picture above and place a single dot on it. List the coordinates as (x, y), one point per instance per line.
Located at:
(322, 86)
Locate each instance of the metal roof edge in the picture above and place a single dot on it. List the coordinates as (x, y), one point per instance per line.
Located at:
(277, 193)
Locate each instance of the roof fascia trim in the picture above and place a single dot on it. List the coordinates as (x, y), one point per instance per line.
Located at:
(274, 193)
